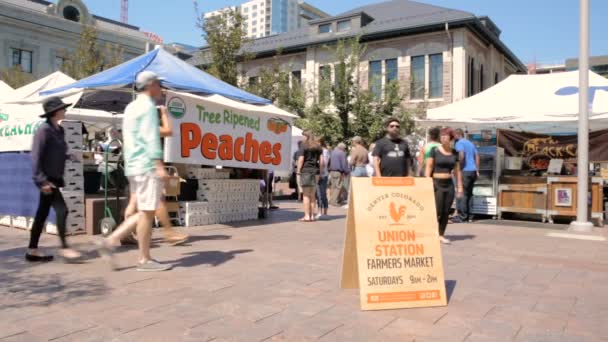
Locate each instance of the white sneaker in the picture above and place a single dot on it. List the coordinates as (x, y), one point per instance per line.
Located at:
(445, 240)
(318, 216)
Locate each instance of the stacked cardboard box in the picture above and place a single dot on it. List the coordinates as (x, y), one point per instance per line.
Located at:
(220, 200)
(22, 222)
(195, 172)
(6, 220)
(73, 191)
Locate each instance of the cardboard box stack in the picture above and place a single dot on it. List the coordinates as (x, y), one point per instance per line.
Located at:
(220, 199)
(73, 192)
(6, 220)
(22, 222)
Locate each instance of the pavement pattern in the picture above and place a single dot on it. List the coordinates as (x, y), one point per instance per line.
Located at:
(277, 280)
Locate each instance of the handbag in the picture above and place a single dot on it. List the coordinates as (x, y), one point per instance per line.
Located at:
(293, 181)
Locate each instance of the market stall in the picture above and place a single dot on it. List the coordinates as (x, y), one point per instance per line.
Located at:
(215, 125)
(20, 120)
(548, 106)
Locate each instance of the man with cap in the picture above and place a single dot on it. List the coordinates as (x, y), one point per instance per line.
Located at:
(144, 167)
(49, 154)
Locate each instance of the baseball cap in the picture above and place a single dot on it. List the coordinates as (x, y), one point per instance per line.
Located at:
(144, 78)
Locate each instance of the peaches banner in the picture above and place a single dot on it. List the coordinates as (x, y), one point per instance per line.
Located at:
(217, 131)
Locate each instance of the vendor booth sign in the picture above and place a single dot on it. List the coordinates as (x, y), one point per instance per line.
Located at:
(391, 250)
(537, 150)
(17, 135)
(217, 131)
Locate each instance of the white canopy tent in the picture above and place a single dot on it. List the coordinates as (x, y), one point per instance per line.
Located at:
(25, 105)
(541, 103)
(5, 91)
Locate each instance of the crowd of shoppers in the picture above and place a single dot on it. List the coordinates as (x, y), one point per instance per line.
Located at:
(448, 157)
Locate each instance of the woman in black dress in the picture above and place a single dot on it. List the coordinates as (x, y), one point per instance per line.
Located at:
(310, 163)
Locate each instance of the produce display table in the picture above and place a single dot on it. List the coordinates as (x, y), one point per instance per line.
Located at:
(523, 195)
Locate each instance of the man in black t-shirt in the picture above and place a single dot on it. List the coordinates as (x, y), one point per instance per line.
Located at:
(391, 155)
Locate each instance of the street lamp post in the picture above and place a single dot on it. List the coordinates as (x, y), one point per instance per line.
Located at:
(582, 219)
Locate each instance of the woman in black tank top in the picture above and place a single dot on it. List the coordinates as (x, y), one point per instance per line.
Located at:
(443, 165)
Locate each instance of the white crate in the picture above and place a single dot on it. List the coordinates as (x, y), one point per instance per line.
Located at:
(75, 210)
(22, 222)
(6, 220)
(74, 224)
(73, 186)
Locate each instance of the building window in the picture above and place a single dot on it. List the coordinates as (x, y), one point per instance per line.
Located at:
(495, 78)
(252, 81)
(254, 14)
(325, 28)
(375, 78)
(254, 30)
(344, 25)
(296, 78)
(391, 70)
(245, 9)
(324, 83)
(481, 76)
(23, 58)
(418, 78)
(71, 13)
(471, 77)
(254, 23)
(436, 76)
(254, 8)
(58, 63)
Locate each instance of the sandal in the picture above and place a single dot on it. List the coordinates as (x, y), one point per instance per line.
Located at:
(305, 220)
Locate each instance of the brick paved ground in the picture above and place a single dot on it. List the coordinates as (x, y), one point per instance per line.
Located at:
(279, 282)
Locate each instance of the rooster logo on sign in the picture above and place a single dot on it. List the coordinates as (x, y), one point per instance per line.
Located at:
(397, 214)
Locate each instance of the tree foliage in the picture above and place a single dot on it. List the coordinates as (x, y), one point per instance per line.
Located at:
(322, 123)
(274, 83)
(90, 57)
(15, 77)
(225, 35)
(339, 108)
(352, 110)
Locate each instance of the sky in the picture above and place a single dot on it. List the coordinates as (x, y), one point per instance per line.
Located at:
(543, 31)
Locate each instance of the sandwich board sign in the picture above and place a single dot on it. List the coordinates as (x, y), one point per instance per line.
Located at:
(391, 249)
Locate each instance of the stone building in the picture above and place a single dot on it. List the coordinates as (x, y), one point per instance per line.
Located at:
(37, 34)
(438, 55)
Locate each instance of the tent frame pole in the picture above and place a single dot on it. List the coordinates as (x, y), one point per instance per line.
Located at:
(582, 223)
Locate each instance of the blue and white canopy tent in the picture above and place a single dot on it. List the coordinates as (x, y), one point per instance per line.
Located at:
(177, 74)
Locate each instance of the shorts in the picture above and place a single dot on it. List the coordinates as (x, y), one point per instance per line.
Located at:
(149, 191)
(308, 180)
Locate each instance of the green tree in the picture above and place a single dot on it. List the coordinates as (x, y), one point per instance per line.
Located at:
(274, 83)
(225, 35)
(15, 77)
(366, 122)
(348, 53)
(90, 57)
(322, 123)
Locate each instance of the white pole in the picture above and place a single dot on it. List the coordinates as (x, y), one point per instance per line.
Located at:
(582, 219)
